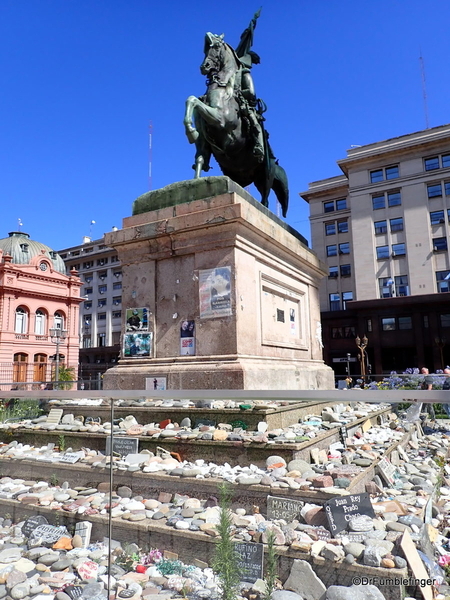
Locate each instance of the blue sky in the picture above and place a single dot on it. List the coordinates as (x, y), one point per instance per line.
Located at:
(82, 79)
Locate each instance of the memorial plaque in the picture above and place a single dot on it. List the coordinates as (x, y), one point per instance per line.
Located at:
(387, 471)
(49, 534)
(343, 435)
(122, 445)
(340, 510)
(250, 560)
(73, 591)
(32, 523)
(351, 536)
(83, 529)
(127, 593)
(322, 534)
(88, 570)
(416, 565)
(71, 457)
(283, 508)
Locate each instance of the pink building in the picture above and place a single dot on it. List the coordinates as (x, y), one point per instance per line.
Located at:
(36, 295)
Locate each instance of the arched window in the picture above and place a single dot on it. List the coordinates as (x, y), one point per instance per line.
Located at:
(20, 366)
(40, 367)
(39, 324)
(58, 320)
(21, 320)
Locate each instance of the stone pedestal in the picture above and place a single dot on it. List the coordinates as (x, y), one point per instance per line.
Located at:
(207, 252)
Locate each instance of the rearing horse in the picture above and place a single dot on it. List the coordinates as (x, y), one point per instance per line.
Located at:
(226, 124)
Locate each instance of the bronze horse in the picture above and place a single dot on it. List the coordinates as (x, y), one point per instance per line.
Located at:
(227, 122)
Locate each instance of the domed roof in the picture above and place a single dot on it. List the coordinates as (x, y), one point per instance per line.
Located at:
(22, 250)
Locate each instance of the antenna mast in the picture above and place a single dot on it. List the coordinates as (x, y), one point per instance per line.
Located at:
(150, 154)
(424, 90)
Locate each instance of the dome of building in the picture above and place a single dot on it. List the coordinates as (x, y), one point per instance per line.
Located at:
(23, 249)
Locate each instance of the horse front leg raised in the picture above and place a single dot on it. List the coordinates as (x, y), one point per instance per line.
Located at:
(191, 131)
(211, 115)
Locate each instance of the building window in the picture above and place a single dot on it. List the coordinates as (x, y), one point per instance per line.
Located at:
(88, 250)
(388, 324)
(394, 198)
(335, 302)
(88, 264)
(87, 341)
(114, 259)
(336, 333)
(21, 320)
(396, 224)
(435, 162)
(331, 205)
(378, 202)
(102, 289)
(88, 278)
(346, 297)
(117, 314)
(434, 190)
(117, 300)
(440, 244)
(346, 270)
(117, 286)
(447, 188)
(404, 322)
(380, 227)
(330, 228)
(102, 275)
(398, 249)
(39, 323)
(20, 367)
(401, 285)
(443, 281)
(87, 291)
(385, 173)
(341, 204)
(87, 320)
(344, 248)
(333, 272)
(88, 305)
(386, 285)
(332, 250)
(382, 252)
(101, 303)
(328, 207)
(117, 274)
(445, 320)
(101, 316)
(58, 320)
(102, 261)
(342, 226)
(101, 339)
(426, 323)
(369, 325)
(437, 217)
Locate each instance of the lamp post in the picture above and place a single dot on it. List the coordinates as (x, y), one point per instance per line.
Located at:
(362, 345)
(57, 336)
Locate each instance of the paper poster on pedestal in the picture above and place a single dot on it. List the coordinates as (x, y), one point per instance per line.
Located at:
(187, 338)
(215, 293)
(137, 345)
(156, 383)
(136, 319)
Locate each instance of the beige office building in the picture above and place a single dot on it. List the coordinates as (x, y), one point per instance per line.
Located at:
(382, 229)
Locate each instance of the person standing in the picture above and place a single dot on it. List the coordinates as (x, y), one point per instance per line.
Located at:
(427, 384)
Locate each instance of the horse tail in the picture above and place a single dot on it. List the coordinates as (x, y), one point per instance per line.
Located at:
(281, 188)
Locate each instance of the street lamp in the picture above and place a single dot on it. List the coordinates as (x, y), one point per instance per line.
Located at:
(362, 345)
(57, 336)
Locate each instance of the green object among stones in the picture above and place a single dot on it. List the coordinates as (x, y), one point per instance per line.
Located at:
(238, 424)
(245, 406)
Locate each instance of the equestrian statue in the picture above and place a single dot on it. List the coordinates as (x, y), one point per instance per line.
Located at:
(228, 120)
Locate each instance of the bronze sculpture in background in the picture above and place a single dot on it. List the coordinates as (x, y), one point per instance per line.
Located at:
(228, 121)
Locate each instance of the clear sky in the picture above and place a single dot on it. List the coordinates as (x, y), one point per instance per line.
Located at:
(82, 79)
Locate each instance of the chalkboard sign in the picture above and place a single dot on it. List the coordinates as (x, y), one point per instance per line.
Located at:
(32, 523)
(340, 510)
(49, 534)
(250, 560)
(73, 591)
(283, 508)
(122, 445)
